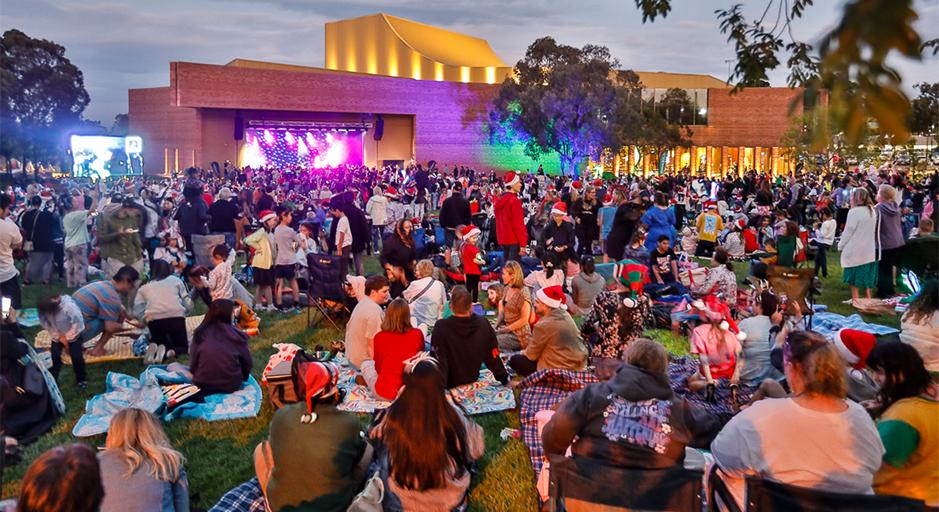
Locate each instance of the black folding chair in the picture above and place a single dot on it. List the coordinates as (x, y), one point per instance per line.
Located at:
(768, 496)
(584, 484)
(324, 288)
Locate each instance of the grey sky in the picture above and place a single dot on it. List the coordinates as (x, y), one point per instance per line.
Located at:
(122, 44)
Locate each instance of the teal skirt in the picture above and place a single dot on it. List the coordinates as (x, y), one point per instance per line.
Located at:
(861, 276)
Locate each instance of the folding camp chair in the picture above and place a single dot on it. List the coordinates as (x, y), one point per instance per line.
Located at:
(796, 285)
(582, 484)
(768, 496)
(325, 291)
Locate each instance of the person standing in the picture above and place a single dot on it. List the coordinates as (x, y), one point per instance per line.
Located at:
(377, 210)
(343, 237)
(40, 226)
(511, 232)
(262, 264)
(584, 212)
(75, 225)
(824, 238)
(454, 212)
(285, 268)
(860, 245)
(625, 222)
(891, 239)
(10, 238)
(192, 215)
(709, 225)
(223, 214)
(659, 221)
(119, 240)
(62, 320)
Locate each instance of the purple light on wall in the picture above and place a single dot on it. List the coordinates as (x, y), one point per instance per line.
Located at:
(316, 149)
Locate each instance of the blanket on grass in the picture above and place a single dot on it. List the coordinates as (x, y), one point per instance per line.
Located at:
(541, 391)
(246, 497)
(680, 368)
(118, 347)
(146, 392)
(828, 324)
(28, 317)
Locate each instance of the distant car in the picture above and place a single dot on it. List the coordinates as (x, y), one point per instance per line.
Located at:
(850, 160)
(903, 158)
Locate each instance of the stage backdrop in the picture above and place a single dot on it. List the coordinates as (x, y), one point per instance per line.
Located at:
(307, 148)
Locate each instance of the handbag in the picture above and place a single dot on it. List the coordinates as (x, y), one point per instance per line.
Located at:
(369, 500)
(28, 243)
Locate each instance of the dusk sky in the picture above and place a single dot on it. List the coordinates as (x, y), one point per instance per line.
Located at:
(128, 44)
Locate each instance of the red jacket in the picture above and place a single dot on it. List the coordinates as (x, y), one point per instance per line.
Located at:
(510, 221)
(392, 349)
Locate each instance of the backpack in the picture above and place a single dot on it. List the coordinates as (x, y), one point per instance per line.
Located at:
(283, 386)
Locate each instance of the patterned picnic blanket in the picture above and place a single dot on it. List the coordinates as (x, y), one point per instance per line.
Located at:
(680, 368)
(828, 324)
(145, 392)
(540, 391)
(246, 497)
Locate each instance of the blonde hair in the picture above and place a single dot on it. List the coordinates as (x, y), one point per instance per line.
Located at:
(887, 192)
(818, 363)
(518, 276)
(397, 317)
(140, 440)
(424, 268)
(861, 197)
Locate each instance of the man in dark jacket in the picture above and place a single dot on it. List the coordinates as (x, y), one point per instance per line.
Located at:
(454, 212)
(511, 232)
(632, 420)
(464, 341)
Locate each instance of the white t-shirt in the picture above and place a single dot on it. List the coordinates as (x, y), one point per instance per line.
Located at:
(9, 236)
(343, 227)
(780, 440)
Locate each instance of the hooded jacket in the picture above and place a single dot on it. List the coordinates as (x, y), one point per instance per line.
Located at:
(891, 230)
(510, 220)
(632, 420)
(461, 345)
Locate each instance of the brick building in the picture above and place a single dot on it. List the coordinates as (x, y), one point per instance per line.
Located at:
(403, 91)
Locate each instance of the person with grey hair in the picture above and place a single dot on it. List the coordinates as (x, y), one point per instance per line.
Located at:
(426, 296)
(891, 239)
(223, 214)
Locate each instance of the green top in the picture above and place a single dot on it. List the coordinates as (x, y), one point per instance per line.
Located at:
(124, 247)
(786, 250)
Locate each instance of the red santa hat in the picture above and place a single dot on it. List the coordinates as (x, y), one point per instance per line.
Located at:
(511, 178)
(553, 297)
(713, 309)
(854, 346)
(608, 200)
(46, 193)
(710, 204)
(576, 185)
(267, 215)
(559, 208)
(598, 183)
(391, 192)
(412, 191)
(469, 232)
(741, 224)
(316, 380)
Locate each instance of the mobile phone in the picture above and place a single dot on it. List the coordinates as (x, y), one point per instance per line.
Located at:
(6, 303)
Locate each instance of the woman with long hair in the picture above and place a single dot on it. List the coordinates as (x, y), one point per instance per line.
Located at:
(720, 280)
(395, 343)
(219, 357)
(427, 445)
(909, 401)
(919, 326)
(140, 469)
(816, 438)
(551, 274)
(513, 327)
(585, 286)
(398, 250)
(860, 245)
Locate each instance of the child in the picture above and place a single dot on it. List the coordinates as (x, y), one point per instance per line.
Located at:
(605, 220)
(61, 318)
(636, 250)
(472, 259)
(750, 242)
(689, 241)
(285, 270)
(306, 241)
(263, 261)
(163, 304)
(787, 245)
(734, 242)
(664, 266)
(495, 293)
(220, 277)
(170, 252)
(766, 231)
(824, 237)
(717, 345)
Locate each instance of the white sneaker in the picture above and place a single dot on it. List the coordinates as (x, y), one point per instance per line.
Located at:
(149, 355)
(160, 354)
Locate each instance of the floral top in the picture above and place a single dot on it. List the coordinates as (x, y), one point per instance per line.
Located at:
(720, 281)
(604, 329)
(512, 304)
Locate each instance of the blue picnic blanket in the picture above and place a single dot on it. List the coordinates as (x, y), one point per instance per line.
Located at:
(828, 324)
(144, 392)
(28, 317)
(246, 497)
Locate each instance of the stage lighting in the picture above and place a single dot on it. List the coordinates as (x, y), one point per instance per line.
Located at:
(288, 138)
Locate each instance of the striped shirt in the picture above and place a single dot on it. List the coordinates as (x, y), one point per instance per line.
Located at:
(99, 300)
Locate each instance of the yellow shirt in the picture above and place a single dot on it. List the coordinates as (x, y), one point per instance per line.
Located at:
(910, 432)
(709, 225)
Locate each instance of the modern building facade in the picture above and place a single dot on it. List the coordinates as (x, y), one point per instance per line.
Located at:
(403, 91)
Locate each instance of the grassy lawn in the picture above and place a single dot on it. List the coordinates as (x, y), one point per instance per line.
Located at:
(219, 454)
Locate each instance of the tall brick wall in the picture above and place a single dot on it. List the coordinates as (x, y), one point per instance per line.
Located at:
(162, 126)
(751, 117)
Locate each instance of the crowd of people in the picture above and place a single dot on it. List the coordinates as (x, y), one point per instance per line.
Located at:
(574, 272)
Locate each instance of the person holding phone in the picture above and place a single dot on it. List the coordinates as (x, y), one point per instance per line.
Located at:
(119, 239)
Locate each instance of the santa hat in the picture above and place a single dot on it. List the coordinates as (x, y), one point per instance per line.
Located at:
(576, 185)
(316, 380)
(559, 208)
(391, 192)
(553, 297)
(607, 199)
(741, 224)
(632, 275)
(710, 204)
(598, 183)
(412, 191)
(511, 178)
(267, 215)
(469, 232)
(713, 309)
(854, 346)
(46, 194)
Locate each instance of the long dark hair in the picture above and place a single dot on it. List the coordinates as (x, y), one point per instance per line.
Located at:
(160, 270)
(424, 434)
(220, 312)
(550, 262)
(905, 374)
(406, 239)
(925, 304)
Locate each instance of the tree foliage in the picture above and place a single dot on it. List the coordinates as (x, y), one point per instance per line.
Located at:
(41, 94)
(924, 117)
(849, 63)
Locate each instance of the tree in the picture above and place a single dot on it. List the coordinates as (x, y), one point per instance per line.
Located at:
(924, 118)
(41, 94)
(121, 125)
(850, 63)
(562, 99)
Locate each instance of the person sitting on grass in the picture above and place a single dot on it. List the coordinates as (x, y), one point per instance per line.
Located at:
(717, 343)
(465, 341)
(585, 286)
(396, 342)
(633, 419)
(163, 304)
(755, 355)
(427, 446)
(366, 320)
(102, 308)
(219, 358)
(316, 457)
(61, 318)
(908, 407)
(555, 341)
(62, 478)
(663, 268)
(513, 327)
(139, 467)
(426, 296)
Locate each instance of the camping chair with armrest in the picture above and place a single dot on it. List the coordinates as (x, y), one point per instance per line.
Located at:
(325, 290)
(768, 496)
(582, 484)
(798, 285)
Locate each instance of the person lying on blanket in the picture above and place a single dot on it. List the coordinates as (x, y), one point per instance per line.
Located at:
(555, 341)
(102, 309)
(465, 341)
(632, 420)
(316, 456)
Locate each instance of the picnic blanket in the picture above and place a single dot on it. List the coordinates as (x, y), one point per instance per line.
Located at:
(828, 324)
(680, 368)
(541, 391)
(145, 392)
(28, 317)
(118, 347)
(246, 497)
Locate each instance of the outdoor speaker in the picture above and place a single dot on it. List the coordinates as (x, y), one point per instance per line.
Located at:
(239, 128)
(379, 127)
